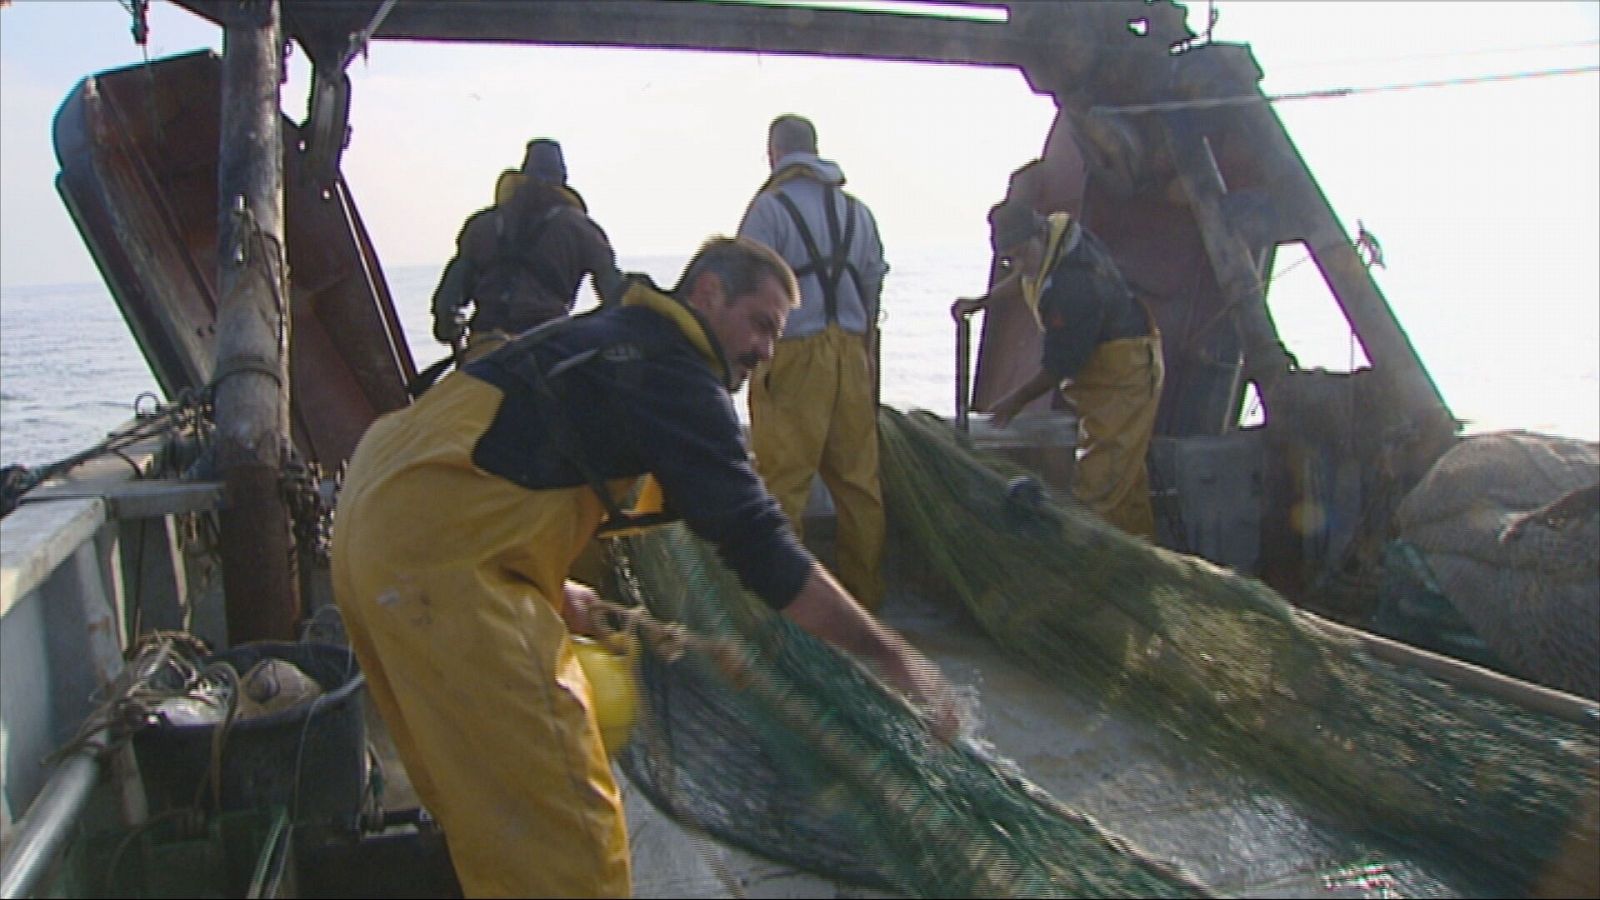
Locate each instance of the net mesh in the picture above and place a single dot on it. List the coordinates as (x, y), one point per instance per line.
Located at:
(1531, 593)
(773, 742)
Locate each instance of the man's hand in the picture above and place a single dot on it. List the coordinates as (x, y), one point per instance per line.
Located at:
(824, 609)
(937, 699)
(579, 605)
(1006, 408)
(966, 306)
(447, 331)
(1003, 411)
(448, 300)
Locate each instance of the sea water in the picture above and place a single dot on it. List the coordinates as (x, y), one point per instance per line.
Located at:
(70, 370)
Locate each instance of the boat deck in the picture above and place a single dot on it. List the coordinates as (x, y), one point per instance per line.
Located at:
(1232, 833)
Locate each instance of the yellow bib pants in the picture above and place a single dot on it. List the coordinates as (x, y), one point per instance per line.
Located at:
(812, 412)
(1116, 395)
(450, 580)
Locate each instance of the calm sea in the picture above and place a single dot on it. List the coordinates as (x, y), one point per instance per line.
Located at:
(70, 371)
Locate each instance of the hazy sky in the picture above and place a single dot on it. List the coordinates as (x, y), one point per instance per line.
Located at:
(668, 146)
(1486, 198)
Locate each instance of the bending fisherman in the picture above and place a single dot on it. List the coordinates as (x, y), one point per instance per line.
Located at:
(1102, 351)
(462, 516)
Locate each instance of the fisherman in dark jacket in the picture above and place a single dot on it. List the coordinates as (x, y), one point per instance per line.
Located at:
(520, 262)
(1102, 351)
(461, 518)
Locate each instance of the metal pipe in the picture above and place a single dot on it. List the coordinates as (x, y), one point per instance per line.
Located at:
(44, 829)
(963, 364)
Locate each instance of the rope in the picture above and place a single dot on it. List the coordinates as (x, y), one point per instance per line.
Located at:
(1329, 93)
(185, 412)
(130, 699)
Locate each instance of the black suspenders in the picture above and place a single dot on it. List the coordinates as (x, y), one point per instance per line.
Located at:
(828, 271)
(565, 438)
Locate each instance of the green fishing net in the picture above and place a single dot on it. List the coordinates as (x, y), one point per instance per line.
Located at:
(1476, 782)
(772, 741)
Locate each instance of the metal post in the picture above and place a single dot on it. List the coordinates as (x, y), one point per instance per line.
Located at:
(251, 377)
(963, 367)
(44, 830)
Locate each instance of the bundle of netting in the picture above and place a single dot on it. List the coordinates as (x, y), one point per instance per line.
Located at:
(1222, 660)
(774, 742)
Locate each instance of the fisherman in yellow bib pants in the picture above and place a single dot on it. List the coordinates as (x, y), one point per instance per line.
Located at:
(461, 518)
(520, 262)
(1101, 350)
(814, 407)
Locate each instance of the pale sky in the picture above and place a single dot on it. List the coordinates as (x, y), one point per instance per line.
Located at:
(1486, 198)
(668, 146)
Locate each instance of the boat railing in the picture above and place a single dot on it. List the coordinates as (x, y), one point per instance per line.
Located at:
(86, 561)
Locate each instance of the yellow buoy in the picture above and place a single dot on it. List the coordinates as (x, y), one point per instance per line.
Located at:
(611, 679)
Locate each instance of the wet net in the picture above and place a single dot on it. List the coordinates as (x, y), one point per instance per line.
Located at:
(771, 741)
(1523, 581)
(1224, 661)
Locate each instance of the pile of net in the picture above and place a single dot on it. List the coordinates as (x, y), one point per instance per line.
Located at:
(773, 742)
(1467, 779)
(1521, 570)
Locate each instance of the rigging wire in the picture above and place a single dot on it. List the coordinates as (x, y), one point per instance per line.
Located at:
(1330, 93)
(1446, 54)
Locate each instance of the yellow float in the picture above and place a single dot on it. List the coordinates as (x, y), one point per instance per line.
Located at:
(611, 674)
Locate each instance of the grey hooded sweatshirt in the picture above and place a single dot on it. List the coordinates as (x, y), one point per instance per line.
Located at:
(809, 183)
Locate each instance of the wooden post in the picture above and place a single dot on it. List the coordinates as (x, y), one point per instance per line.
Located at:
(1265, 358)
(251, 376)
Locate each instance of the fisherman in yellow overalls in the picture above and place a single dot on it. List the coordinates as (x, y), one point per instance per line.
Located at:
(520, 262)
(1102, 350)
(460, 520)
(814, 408)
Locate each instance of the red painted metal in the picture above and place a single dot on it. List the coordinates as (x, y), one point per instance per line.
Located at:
(138, 154)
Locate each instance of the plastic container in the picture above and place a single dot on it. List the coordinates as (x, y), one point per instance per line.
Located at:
(1045, 443)
(311, 759)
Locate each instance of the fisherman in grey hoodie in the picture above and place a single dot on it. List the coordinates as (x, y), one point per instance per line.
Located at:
(813, 407)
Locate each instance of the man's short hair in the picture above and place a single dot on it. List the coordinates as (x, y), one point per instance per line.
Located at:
(790, 133)
(742, 264)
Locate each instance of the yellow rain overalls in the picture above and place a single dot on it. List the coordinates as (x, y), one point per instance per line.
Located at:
(450, 582)
(823, 420)
(465, 653)
(1116, 395)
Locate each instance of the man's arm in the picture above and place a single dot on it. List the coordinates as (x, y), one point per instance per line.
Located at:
(1006, 408)
(1007, 288)
(824, 609)
(764, 222)
(877, 266)
(691, 442)
(600, 261)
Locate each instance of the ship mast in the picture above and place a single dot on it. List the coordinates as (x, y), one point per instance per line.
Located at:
(252, 374)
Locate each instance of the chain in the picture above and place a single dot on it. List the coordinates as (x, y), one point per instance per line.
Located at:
(311, 517)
